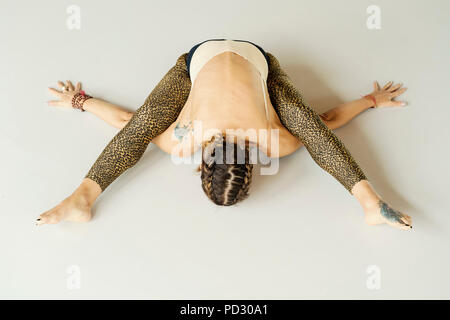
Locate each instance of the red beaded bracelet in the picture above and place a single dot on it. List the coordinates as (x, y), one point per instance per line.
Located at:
(78, 100)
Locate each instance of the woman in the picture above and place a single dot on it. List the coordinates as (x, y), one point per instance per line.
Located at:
(226, 86)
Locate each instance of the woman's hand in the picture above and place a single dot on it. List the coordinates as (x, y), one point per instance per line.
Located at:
(385, 97)
(65, 95)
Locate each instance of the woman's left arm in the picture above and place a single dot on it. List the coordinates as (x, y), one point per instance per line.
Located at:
(379, 98)
(113, 114)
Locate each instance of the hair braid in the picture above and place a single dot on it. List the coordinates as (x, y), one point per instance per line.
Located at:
(225, 183)
(207, 177)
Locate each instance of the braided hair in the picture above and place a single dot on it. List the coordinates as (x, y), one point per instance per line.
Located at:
(225, 181)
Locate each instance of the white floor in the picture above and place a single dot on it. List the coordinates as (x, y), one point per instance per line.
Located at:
(155, 235)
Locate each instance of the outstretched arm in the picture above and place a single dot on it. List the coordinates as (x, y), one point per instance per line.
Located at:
(113, 114)
(341, 115)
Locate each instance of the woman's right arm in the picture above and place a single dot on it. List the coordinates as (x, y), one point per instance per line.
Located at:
(113, 114)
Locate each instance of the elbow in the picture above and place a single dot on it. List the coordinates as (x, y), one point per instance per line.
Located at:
(333, 124)
(332, 119)
(329, 116)
(124, 119)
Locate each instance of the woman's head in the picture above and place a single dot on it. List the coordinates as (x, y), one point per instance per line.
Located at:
(226, 171)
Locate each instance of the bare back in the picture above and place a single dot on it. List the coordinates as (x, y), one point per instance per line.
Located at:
(227, 94)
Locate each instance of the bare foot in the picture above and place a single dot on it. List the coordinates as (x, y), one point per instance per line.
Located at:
(75, 208)
(383, 213)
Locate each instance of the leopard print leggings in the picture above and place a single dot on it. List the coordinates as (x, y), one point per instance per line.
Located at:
(303, 122)
(159, 111)
(165, 102)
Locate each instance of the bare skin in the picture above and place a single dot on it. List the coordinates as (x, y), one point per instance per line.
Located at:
(77, 207)
(229, 82)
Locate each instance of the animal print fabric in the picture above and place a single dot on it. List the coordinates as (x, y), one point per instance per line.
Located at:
(303, 122)
(159, 111)
(165, 102)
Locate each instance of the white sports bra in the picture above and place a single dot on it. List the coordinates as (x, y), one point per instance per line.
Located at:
(208, 50)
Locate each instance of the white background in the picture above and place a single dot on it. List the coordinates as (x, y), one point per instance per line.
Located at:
(154, 234)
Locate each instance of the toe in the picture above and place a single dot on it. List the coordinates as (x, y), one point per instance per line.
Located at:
(407, 221)
(399, 225)
(41, 220)
(403, 226)
(49, 217)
